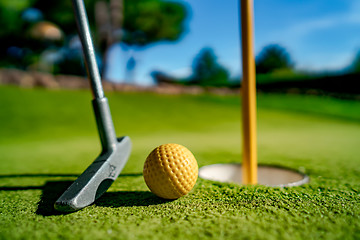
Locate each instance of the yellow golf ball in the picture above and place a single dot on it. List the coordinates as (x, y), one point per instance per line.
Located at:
(170, 171)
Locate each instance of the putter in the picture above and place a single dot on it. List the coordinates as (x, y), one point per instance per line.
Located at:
(98, 177)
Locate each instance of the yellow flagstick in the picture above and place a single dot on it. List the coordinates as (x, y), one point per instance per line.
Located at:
(249, 163)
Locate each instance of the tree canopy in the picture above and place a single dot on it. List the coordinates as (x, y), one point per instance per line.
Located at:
(355, 65)
(142, 21)
(145, 21)
(149, 21)
(207, 71)
(273, 57)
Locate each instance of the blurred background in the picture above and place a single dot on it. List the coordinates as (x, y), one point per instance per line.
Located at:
(301, 46)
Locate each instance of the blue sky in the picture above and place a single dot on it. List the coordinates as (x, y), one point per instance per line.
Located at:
(320, 35)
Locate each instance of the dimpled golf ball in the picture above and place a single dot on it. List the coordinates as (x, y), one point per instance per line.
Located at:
(170, 171)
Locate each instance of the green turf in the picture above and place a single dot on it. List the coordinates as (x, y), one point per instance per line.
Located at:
(47, 138)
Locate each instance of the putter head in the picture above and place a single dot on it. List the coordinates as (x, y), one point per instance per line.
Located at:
(96, 179)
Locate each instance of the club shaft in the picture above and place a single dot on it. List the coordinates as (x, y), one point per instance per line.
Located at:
(100, 104)
(88, 48)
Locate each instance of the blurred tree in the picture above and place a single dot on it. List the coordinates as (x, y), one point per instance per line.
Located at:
(10, 16)
(12, 30)
(161, 77)
(355, 65)
(136, 22)
(149, 21)
(207, 71)
(30, 29)
(109, 22)
(273, 57)
(61, 13)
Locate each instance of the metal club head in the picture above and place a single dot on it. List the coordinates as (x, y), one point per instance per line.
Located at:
(96, 179)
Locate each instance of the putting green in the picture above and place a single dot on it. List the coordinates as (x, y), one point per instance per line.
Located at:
(47, 138)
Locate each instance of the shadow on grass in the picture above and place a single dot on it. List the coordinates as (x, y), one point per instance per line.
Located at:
(129, 199)
(52, 190)
(30, 175)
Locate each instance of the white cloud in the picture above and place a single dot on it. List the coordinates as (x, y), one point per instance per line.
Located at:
(181, 72)
(302, 29)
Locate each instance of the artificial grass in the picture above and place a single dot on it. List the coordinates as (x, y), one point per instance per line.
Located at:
(49, 137)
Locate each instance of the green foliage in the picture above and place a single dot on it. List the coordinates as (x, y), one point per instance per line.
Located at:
(10, 16)
(355, 65)
(149, 21)
(58, 12)
(284, 75)
(207, 71)
(273, 57)
(61, 13)
(145, 22)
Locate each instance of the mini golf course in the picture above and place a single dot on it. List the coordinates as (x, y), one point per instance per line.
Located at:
(48, 138)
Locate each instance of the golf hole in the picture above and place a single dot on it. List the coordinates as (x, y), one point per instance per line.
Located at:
(267, 175)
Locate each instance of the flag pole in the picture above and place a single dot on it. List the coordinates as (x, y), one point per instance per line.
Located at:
(248, 90)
